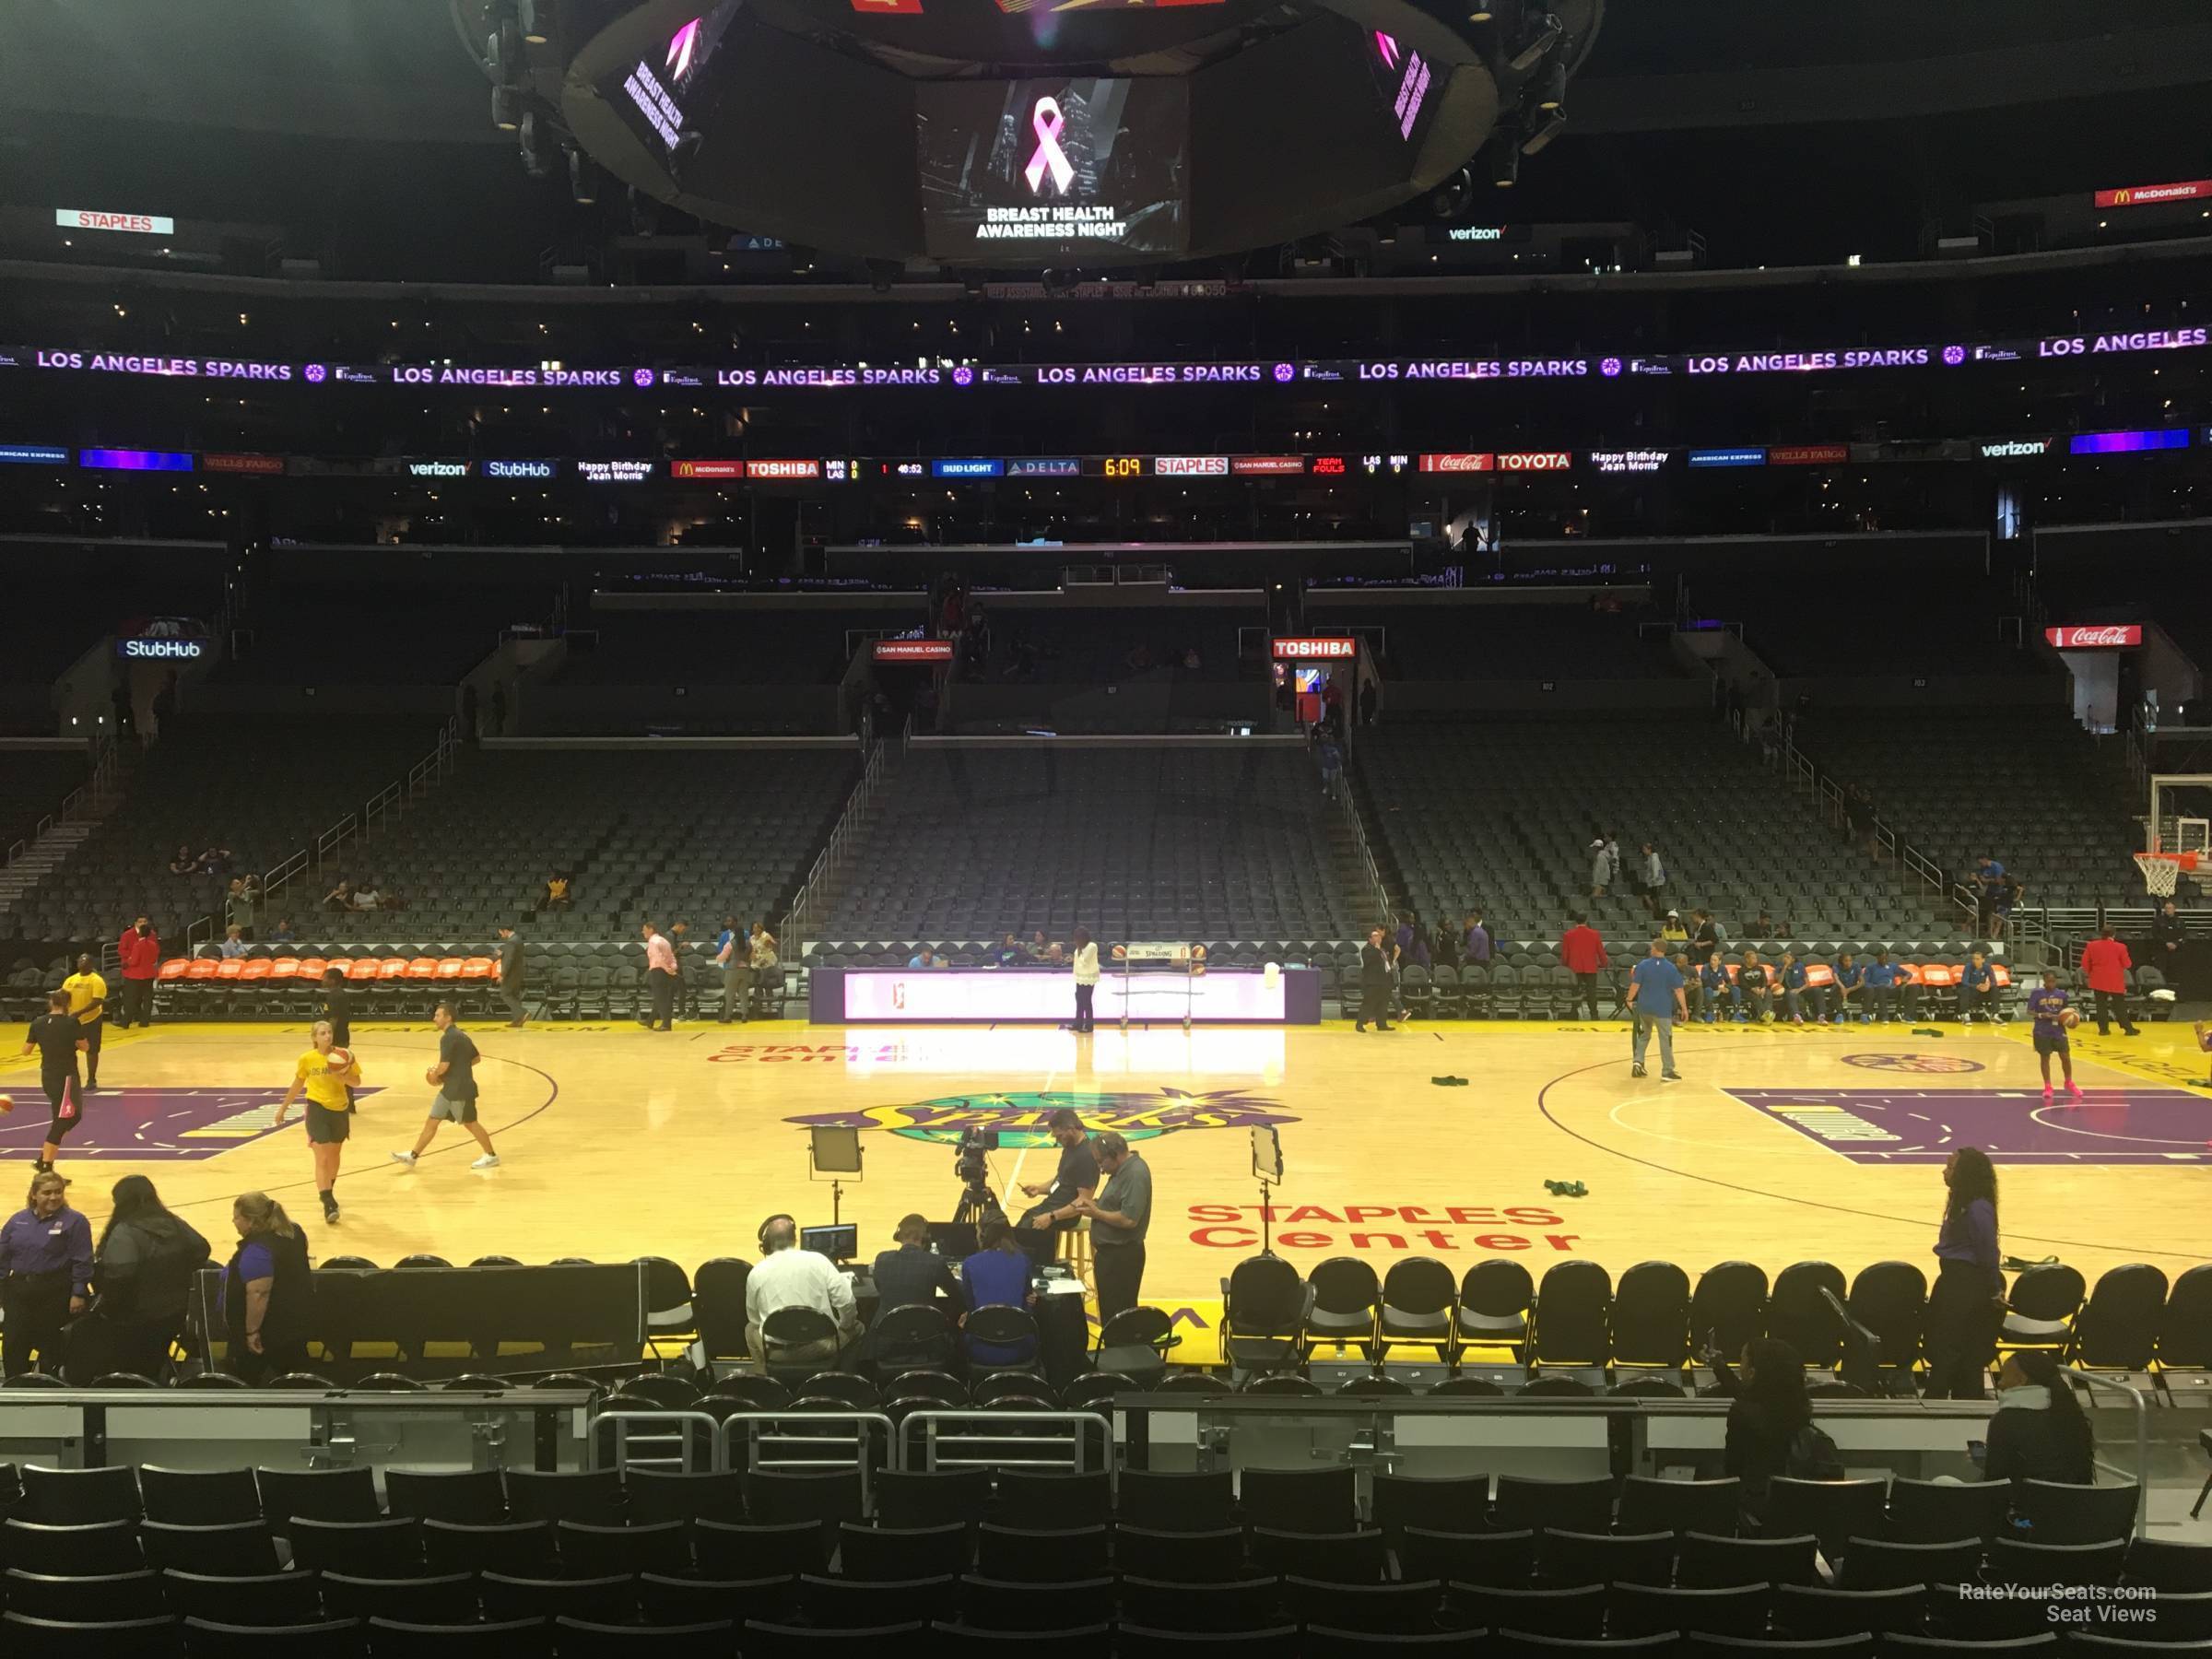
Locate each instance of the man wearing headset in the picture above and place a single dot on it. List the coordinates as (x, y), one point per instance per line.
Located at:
(790, 1278)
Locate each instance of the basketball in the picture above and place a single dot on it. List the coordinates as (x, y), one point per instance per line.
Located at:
(7, 1103)
(2070, 1018)
(430, 1075)
(341, 1059)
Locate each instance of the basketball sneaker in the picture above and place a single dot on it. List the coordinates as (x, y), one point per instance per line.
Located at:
(491, 1160)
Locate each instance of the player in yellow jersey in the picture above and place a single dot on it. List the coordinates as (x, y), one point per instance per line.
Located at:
(326, 1074)
(89, 1006)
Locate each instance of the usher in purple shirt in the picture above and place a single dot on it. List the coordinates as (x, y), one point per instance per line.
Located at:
(1971, 1237)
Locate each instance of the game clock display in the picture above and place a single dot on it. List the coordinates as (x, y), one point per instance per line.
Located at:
(1060, 166)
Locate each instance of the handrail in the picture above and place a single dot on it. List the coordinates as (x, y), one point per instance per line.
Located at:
(2092, 1381)
(865, 1420)
(1076, 1461)
(802, 919)
(1347, 807)
(385, 800)
(718, 1458)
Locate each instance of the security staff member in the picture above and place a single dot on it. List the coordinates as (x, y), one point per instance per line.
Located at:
(1120, 1216)
(1077, 1177)
(45, 1274)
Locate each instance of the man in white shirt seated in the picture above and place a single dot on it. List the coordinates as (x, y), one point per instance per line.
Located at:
(790, 1277)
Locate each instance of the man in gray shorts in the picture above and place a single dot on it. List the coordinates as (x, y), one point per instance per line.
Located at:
(455, 1077)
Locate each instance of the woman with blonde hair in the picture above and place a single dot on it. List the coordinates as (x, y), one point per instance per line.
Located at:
(327, 1075)
(268, 1290)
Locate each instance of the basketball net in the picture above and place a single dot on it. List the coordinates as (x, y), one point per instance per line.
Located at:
(2162, 871)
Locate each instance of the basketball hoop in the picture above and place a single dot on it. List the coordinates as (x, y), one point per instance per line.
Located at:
(2162, 871)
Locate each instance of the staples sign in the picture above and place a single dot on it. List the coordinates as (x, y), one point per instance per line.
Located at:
(85, 219)
(1308, 651)
(2082, 638)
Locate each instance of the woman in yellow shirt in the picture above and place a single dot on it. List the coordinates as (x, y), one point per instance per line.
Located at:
(328, 1086)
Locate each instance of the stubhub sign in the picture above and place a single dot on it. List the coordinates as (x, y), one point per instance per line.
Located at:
(532, 471)
(162, 650)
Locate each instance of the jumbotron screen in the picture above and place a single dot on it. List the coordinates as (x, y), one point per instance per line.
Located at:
(1057, 166)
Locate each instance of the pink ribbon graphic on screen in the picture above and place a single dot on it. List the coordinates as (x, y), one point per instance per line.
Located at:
(1048, 124)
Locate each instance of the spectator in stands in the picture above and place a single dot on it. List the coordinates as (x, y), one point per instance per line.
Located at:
(1718, 988)
(339, 898)
(1671, 930)
(1614, 864)
(268, 1300)
(366, 896)
(1601, 866)
(1769, 1411)
(1755, 985)
(282, 933)
(1119, 1217)
(1084, 961)
(1443, 945)
(239, 905)
(1966, 1310)
(1043, 949)
(1475, 945)
(1651, 876)
(762, 946)
(1656, 1002)
(924, 957)
(1766, 927)
(913, 1274)
(1374, 983)
(997, 1275)
(1978, 991)
(45, 1274)
(88, 993)
(214, 861)
(338, 1007)
(139, 951)
(1693, 993)
(1077, 1177)
(559, 891)
(662, 978)
(1706, 936)
(186, 863)
(1013, 953)
(1367, 703)
(790, 1277)
(1332, 765)
(2039, 1431)
(1797, 996)
(1584, 955)
(1988, 879)
(1850, 990)
(1880, 983)
(2105, 962)
(233, 945)
(143, 1270)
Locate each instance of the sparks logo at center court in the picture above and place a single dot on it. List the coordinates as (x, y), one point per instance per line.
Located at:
(1021, 1118)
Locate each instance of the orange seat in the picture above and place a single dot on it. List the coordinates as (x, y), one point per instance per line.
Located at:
(285, 967)
(364, 968)
(1938, 974)
(448, 968)
(476, 968)
(201, 968)
(1909, 974)
(2003, 974)
(1819, 975)
(314, 967)
(421, 968)
(256, 967)
(392, 968)
(176, 968)
(231, 968)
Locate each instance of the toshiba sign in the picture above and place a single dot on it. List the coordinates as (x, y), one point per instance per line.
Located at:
(85, 219)
(1307, 651)
(2100, 633)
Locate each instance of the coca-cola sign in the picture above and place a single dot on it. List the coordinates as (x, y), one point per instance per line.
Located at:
(2095, 633)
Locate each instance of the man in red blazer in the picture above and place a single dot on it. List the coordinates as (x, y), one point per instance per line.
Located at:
(2104, 963)
(140, 950)
(1584, 955)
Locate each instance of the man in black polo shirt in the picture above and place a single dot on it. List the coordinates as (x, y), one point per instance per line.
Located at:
(1077, 1177)
(915, 1275)
(455, 1077)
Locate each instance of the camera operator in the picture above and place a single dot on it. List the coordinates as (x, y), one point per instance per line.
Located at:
(1075, 1181)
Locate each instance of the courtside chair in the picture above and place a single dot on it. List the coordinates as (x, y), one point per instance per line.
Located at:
(2118, 1330)
(1890, 1300)
(1651, 1317)
(1798, 1315)
(1418, 1298)
(2185, 1330)
(1265, 1306)
(1574, 1306)
(2043, 1301)
(1346, 1296)
(1497, 1301)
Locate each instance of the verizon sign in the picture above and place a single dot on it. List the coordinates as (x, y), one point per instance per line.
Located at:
(85, 219)
(2096, 635)
(1308, 651)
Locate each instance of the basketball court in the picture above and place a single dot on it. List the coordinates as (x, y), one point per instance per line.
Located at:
(1779, 1145)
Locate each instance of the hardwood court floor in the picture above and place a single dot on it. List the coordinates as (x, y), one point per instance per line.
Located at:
(1778, 1146)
